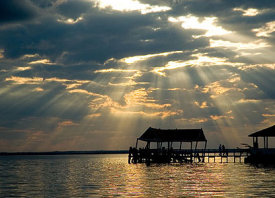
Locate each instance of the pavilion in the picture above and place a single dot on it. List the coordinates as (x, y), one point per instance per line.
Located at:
(160, 154)
(172, 135)
(263, 155)
(265, 133)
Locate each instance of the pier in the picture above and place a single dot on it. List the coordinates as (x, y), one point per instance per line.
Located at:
(168, 148)
(188, 156)
(182, 145)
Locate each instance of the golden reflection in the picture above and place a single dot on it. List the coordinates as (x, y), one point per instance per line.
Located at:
(177, 180)
(38, 89)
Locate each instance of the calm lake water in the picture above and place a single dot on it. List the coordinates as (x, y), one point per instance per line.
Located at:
(112, 176)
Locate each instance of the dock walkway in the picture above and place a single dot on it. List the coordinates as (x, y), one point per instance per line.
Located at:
(187, 155)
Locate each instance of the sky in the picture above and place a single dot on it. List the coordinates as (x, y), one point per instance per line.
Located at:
(95, 74)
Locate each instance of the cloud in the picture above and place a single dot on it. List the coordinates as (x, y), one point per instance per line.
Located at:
(23, 80)
(202, 105)
(216, 117)
(73, 9)
(131, 5)
(239, 46)
(265, 30)
(207, 24)
(248, 12)
(82, 72)
(67, 123)
(134, 59)
(17, 11)
(42, 61)
(201, 60)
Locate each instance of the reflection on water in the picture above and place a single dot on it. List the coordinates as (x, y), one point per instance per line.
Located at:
(111, 175)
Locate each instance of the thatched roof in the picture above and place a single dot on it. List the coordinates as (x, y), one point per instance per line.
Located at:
(172, 135)
(268, 132)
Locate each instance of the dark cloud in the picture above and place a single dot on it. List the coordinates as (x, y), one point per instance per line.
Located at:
(263, 78)
(45, 3)
(74, 9)
(16, 11)
(215, 8)
(98, 37)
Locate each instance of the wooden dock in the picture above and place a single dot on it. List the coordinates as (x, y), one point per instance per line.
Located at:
(159, 148)
(188, 155)
(229, 155)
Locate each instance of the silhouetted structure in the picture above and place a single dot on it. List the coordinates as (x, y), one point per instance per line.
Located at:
(265, 133)
(169, 154)
(262, 155)
(178, 137)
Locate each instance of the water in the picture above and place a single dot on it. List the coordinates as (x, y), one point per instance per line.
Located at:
(112, 176)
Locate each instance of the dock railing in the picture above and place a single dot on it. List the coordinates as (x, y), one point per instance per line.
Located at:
(188, 155)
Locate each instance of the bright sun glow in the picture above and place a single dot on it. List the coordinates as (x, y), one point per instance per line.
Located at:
(133, 59)
(201, 60)
(130, 5)
(208, 24)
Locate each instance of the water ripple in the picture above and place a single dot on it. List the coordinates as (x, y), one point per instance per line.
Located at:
(112, 176)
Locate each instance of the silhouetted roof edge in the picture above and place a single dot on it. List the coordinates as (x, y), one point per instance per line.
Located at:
(172, 135)
(268, 132)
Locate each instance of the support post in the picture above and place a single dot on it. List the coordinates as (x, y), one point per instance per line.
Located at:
(205, 143)
(191, 154)
(137, 143)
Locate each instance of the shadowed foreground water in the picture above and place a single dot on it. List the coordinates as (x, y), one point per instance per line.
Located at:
(111, 175)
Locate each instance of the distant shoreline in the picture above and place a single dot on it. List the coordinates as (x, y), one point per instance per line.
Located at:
(65, 152)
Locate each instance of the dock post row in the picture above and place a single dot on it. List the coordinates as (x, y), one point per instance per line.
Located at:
(187, 155)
